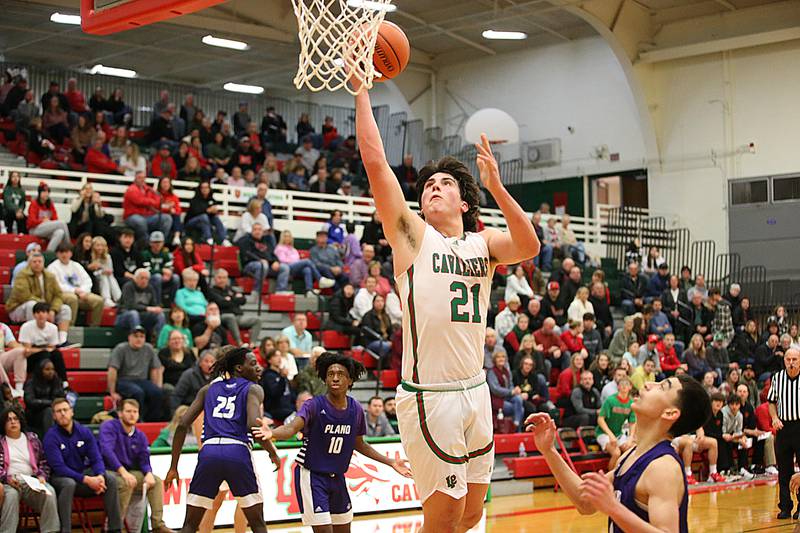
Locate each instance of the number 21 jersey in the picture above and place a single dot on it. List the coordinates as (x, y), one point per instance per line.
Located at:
(225, 409)
(445, 297)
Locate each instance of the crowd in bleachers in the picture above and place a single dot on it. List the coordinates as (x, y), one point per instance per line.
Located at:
(553, 344)
(556, 348)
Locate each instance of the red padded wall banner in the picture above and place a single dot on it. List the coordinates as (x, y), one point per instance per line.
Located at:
(135, 13)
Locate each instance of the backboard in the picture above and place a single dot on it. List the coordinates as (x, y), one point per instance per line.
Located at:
(102, 17)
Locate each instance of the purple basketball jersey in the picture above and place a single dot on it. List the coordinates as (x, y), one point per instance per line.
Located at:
(225, 409)
(329, 435)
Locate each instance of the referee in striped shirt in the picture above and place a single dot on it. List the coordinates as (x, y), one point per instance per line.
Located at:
(784, 408)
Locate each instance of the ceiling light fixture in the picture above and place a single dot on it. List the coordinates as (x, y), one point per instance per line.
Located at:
(112, 71)
(240, 88)
(504, 35)
(225, 43)
(61, 18)
(369, 4)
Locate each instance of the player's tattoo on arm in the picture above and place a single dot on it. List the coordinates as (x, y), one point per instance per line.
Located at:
(405, 228)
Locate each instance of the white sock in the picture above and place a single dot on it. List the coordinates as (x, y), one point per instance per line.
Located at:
(712, 469)
(688, 470)
(62, 337)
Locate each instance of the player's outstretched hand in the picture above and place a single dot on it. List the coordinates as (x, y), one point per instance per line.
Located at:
(543, 428)
(487, 164)
(262, 430)
(402, 467)
(172, 475)
(597, 490)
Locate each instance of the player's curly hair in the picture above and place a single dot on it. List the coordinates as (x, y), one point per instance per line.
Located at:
(227, 358)
(467, 186)
(354, 368)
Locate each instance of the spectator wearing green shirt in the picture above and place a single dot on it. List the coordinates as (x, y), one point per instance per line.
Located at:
(177, 321)
(158, 261)
(615, 412)
(190, 298)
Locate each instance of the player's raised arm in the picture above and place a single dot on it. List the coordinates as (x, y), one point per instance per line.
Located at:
(262, 430)
(544, 432)
(180, 434)
(520, 241)
(403, 228)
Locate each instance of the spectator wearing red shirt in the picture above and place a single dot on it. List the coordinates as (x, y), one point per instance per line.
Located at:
(573, 338)
(43, 219)
(77, 102)
(96, 160)
(163, 163)
(141, 209)
(569, 378)
(187, 257)
(171, 205)
(667, 355)
(101, 125)
(553, 347)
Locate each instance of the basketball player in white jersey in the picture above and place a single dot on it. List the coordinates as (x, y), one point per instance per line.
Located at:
(444, 271)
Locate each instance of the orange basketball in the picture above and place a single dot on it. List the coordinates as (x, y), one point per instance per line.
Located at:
(391, 51)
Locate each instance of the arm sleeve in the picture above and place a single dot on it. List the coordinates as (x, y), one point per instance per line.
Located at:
(107, 447)
(772, 395)
(95, 458)
(144, 455)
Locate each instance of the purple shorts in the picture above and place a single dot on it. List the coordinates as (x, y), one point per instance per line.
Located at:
(232, 463)
(323, 498)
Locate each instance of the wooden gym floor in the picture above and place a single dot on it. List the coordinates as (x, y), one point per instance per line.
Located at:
(734, 510)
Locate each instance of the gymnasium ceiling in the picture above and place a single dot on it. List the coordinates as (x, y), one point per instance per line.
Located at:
(441, 32)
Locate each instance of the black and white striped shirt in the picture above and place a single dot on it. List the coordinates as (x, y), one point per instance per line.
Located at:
(785, 393)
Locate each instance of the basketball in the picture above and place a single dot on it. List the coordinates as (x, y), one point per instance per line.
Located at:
(392, 50)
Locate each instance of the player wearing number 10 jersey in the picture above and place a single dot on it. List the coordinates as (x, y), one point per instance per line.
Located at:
(231, 404)
(333, 427)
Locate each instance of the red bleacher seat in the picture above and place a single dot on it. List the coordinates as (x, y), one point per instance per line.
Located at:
(509, 443)
(231, 265)
(365, 358)
(501, 305)
(151, 429)
(72, 358)
(5, 275)
(88, 382)
(4, 318)
(220, 252)
(8, 258)
(17, 241)
(333, 340)
(389, 379)
(304, 254)
(109, 316)
(531, 466)
(282, 302)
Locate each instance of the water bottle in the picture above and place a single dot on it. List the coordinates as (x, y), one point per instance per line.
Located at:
(499, 414)
(626, 428)
(522, 452)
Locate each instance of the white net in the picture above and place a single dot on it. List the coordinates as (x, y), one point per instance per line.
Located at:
(337, 40)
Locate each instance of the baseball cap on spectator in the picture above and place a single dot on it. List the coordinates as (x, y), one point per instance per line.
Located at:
(163, 146)
(663, 266)
(553, 286)
(652, 338)
(33, 246)
(244, 139)
(346, 185)
(513, 298)
(719, 336)
(307, 139)
(156, 236)
(137, 329)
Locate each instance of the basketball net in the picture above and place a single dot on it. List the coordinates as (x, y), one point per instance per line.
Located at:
(337, 41)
